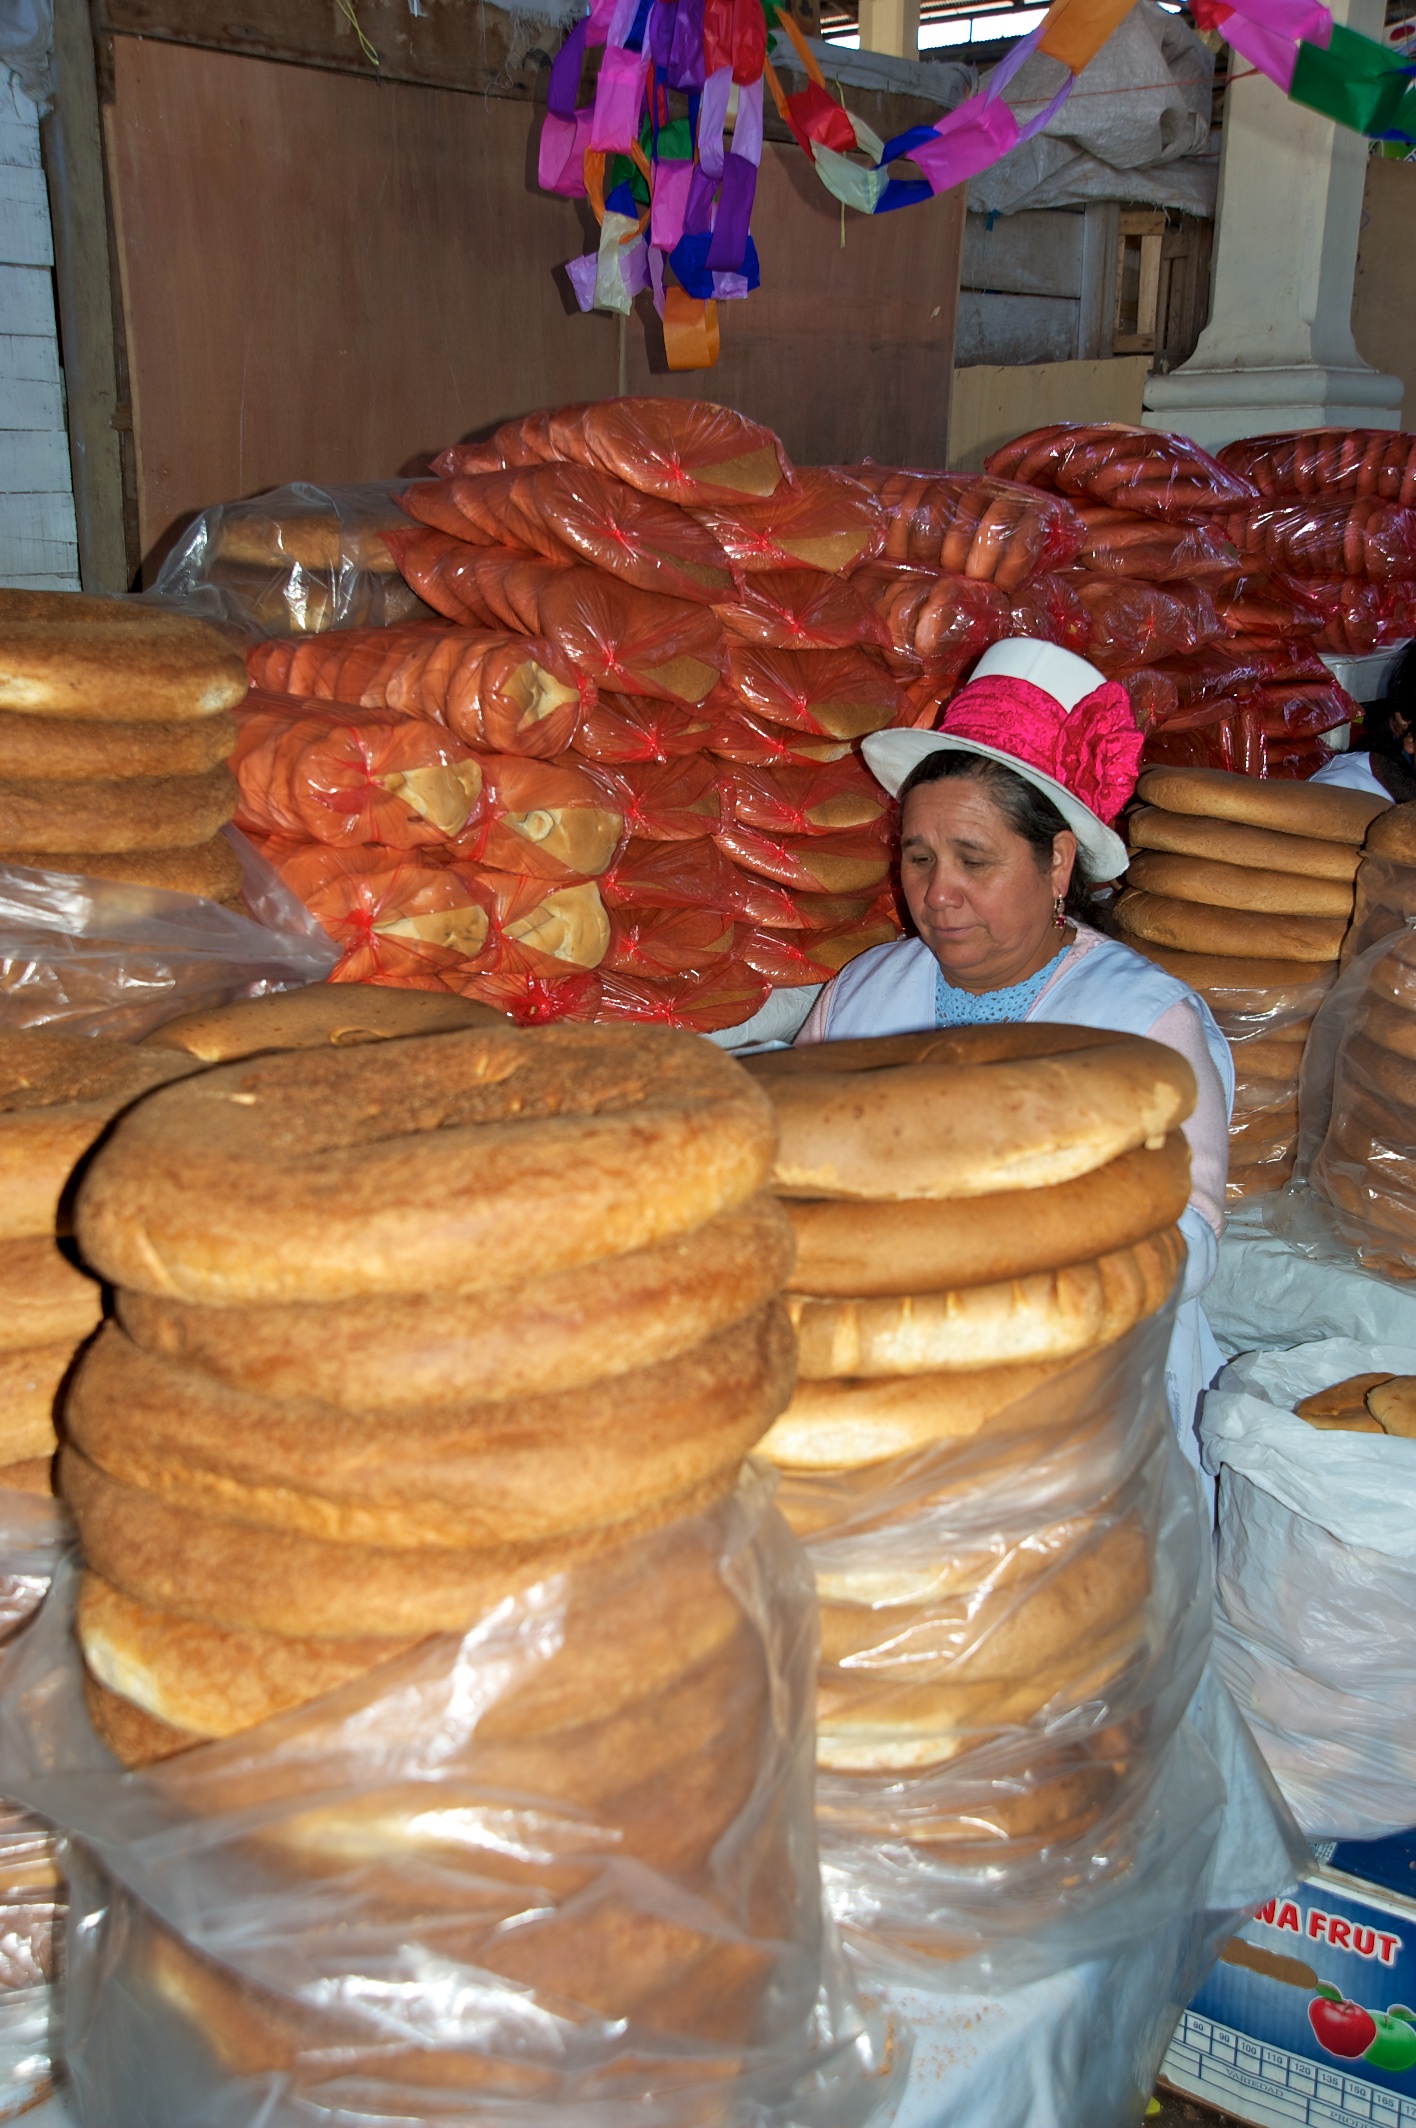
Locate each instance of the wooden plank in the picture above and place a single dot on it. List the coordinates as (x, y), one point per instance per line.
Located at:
(993, 404)
(34, 460)
(28, 358)
(1024, 254)
(44, 519)
(31, 403)
(26, 300)
(58, 580)
(21, 558)
(24, 217)
(999, 328)
(19, 128)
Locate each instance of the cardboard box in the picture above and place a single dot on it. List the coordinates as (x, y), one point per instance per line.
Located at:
(1310, 2014)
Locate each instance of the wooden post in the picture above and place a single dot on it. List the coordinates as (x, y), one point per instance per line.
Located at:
(890, 26)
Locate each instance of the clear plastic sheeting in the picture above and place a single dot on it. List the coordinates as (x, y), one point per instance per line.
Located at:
(1012, 1628)
(1267, 1030)
(1316, 1627)
(294, 561)
(99, 956)
(1385, 902)
(1284, 1280)
(560, 1868)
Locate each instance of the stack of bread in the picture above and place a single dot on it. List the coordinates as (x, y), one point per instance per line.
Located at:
(1243, 888)
(407, 1490)
(1366, 1166)
(114, 734)
(1386, 880)
(976, 1455)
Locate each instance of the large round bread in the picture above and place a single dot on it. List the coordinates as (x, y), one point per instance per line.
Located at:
(1393, 834)
(57, 1095)
(44, 1299)
(61, 750)
(338, 1014)
(1385, 1076)
(1389, 1026)
(1243, 986)
(463, 1161)
(128, 813)
(1051, 1315)
(29, 1383)
(150, 670)
(982, 1110)
(507, 1472)
(1229, 886)
(844, 1425)
(557, 1332)
(853, 1249)
(211, 869)
(1237, 933)
(1269, 1059)
(1227, 842)
(1323, 811)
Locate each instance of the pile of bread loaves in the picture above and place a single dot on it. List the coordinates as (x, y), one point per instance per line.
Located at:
(1386, 881)
(1366, 1165)
(1243, 888)
(114, 736)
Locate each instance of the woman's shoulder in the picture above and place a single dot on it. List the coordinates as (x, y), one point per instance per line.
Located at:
(1109, 969)
(887, 989)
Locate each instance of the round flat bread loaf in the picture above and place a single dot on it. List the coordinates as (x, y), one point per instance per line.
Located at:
(1387, 1078)
(853, 1249)
(1393, 834)
(57, 1095)
(44, 1299)
(1227, 842)
(1051, 1315)
(1244, 986)
(1323, 811)
(29, 1384)
(1391, 1027)
(127, 813)
(55, 750)
(1270, 1059)
(155, 669)
(211, 869)
(1259, 1174)
(1237, 933)
(1229, 886)
(843, 1425)
(561, 1331)
(461, 1161)
(32, 1474)
(479, 1474)
(981, 1110)
(1393, 1403)
(338, 1014)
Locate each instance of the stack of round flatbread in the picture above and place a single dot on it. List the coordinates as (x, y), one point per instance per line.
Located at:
(1386, 881)
(115, 729)
(981, 1218)
(1366, 1167)
(1243, 888)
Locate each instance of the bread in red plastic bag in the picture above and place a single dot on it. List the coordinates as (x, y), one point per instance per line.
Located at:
(1300, 709)
(1218, 672)
(1269, 603)
(1148, 550)
(524, 441)
(789, 959)
(509, 582)
(659, 942)
(841, 694)
(1050, 610)
(1366, 538)
(437, 567)
(826, 522)
(739, 735)
(673, 801)
(807, 800)
(397, 917)
(1363, 617)
(1328, 463)
(685, 450)
(633, 642)
(351, 777)
(801, 609)
(1206, 736)
(1154, 695)
(531, 998)
(547, 819)
(1127, 468)
(1136, 624)
(849, 861)
(943, 620)
(693, 875)
(641, 728)
(971, 524)
(728, 994)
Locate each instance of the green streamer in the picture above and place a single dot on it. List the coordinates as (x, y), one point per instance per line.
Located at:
(1356, 81)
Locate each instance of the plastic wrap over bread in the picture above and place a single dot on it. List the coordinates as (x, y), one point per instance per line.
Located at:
(683, 450)
(932, 620)
(972, 525)
(1142, 470)
(559, 1865)
(1386, 881)
(1127, 543)
(1366, 616)
(1367, 538)
(1358, 1104)
(1133, 624)
(1328, 462)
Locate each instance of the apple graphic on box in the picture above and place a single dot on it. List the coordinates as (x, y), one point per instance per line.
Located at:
(1340, 2027)
(1394, 2048)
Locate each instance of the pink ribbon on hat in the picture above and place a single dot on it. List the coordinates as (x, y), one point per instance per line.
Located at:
(1093, 750)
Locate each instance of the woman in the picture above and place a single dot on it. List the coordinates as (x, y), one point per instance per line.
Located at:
(1388, 770)
(1005, 828)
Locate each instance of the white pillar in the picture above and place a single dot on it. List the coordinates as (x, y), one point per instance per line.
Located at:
(890, 26)
(1278, 352)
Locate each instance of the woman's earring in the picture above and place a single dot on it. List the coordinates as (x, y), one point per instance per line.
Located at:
(1059, 913)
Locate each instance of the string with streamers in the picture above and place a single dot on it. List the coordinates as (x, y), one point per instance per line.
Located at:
(672, 183)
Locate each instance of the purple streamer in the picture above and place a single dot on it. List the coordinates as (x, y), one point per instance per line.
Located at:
(729, 246)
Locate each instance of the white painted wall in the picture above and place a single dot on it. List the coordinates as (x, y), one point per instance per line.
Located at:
(38, 542)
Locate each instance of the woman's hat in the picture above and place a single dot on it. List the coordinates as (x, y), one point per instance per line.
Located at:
(1055, 721)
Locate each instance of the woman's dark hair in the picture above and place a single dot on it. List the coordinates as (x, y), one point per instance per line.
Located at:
(1028, 811)
(1387, 724)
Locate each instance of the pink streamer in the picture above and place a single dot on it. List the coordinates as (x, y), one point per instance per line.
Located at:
(966, 141)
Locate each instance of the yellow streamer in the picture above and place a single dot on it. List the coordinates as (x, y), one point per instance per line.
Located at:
(346, 9)
(1076, 30)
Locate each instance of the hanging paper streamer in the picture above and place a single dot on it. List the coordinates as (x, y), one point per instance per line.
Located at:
(668, 151)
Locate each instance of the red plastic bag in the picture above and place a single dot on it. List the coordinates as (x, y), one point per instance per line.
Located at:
(738, 735)
(1050, 609)
(351, 777)
(1209, 735)
(945, 621)
(1371, 539)
(1154, 696)
(437, 568)
(546, 819)
(789, 959)
(1136, 624)
(633, 642)
(724, 997)
(1126, 468)
(693, 875)
(686, 450)
(1216, 673)
(800, 609)
(850, 861)
(532, 998)
(1292, 710)
(409, 921)
(825, 522)
(509, 583)
(1364, 617)
(674, 801)
(840, 694)
(1328, 463)
(1125, 543)
(798, 800)
(525, 441)
(972, 525)
(1268, 603)
(639, 728)
(659, 942)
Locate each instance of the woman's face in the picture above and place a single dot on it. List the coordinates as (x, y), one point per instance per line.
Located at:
(979, 898)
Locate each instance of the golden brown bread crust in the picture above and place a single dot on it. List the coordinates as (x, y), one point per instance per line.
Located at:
(58, 750)
(123, 813)
(1393, 834)
(853, 1249)
(1393, 1404)
(1384, 1075)
(1390, 1026)
(29, 1383)
(1271, 1059)
(480, 1474)
(1322, 811)
(842, 1425)
(58, 1093)
(313, 539)
(466, 1160)
(340, 1014)
(1228, 842)
(971, 1118)
(556, 1333)
(211, 869)
(135, 1737)
(1256, 985)
(1232, 886)
(1237, 933)
(32, 1474)
(1343, 1405)
(149, 669)
(44, 1299)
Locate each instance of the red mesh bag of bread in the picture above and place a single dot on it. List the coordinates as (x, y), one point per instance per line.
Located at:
(509, 583)
(1209, 735)
(1329, 463)
(1268, 603)
(542, 438)
(397, 918)
(1363, 617)
(641, 728)
(738, 735)
(532, 998)
(942, 620)
(1152, 551)
(693, 875)
(1218, 672)
(1154, 695)
(486, 509)
(840, 694)
(972, 525)
(801, 609)
(686, 450)
(789, 959)
(1145, 470)
(800, 800)
(926, 695)
(546, 819)
(825, 521)
(850, 861)
(347, 665)
(1272, 658)
(725, 996)
(1366, 538)
(672, 801)
(1300, 709)
(438, 568)
(1050, 609)
(361, 777)
(1136, 624)
(633, 642)
(659, 942)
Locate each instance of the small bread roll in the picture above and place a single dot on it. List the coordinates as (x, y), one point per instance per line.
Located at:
(1230, 886)
(1343, 1400)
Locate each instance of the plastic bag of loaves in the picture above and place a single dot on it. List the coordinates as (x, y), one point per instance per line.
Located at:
(1386, 880)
